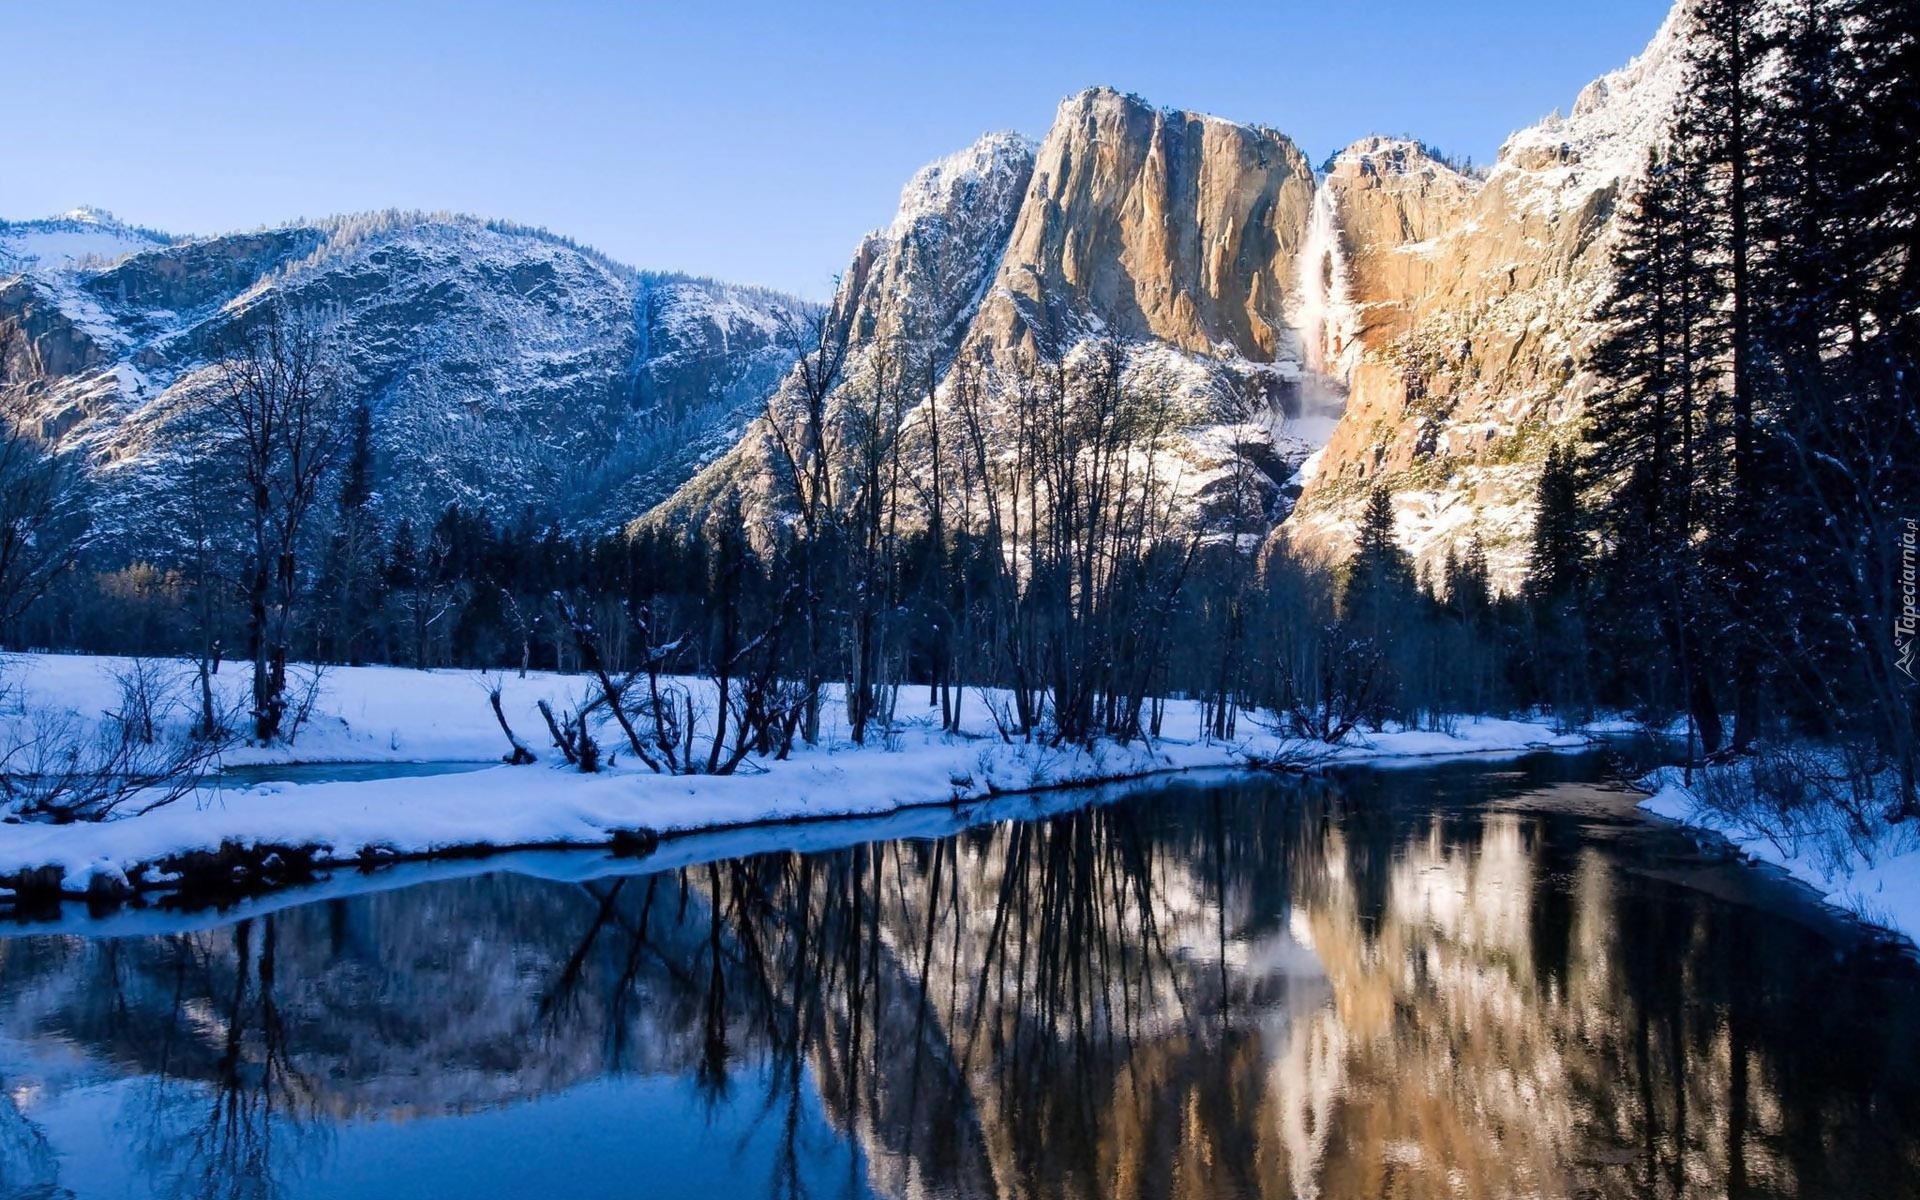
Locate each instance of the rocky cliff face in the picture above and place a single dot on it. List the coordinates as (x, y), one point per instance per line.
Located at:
(1157, 226)
(1426, 325)
(1465, 315)
(1175, 234)
(505, 368)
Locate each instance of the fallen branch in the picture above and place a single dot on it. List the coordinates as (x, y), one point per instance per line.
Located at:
(521, 756)
(560, 740)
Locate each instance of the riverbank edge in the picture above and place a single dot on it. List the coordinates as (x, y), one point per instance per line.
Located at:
(1881, 893)
(238, 867)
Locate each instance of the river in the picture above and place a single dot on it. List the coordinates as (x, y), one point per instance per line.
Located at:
(1480, 979)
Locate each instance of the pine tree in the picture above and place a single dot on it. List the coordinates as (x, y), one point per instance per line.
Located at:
(1727, 55)
(1653, 454)
(1380, 579)
(1557, 572)
(1557, 561)
(1841, 332)
(1469, 584)
(350, 567)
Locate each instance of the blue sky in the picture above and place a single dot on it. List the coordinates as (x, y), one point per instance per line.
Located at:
(750, 141)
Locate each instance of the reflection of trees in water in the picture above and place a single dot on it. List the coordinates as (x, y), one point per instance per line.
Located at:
(224, 1111)
(974, 1010)
(1254, 990)
(28, 1167)
(1121, 1005)
(1538, 1021)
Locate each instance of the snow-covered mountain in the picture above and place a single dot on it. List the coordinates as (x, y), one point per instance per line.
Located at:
(504, 367)
(1390, 318)
(77, 238)
(1175, 234)
(910, 291)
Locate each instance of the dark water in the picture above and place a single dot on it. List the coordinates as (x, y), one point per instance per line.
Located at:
(249, 776)
(1483, 980)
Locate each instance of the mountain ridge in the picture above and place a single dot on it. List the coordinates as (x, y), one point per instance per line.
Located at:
(1388, 318)
(506, 367)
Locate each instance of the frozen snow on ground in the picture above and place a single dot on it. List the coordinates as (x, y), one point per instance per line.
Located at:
(1874, 876)
(381, 714)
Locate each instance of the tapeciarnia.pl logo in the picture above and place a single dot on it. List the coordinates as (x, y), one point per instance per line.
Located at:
(1904, 626)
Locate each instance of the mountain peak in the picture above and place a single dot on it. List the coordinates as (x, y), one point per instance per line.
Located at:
(87, 214)
(1384, 156)
(1616, 117)
(1102, 98)
(937, 187)
(78, 236)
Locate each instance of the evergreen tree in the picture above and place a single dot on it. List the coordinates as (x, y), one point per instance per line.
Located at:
(1380, 584)
(1726, 56)
(350, 567)
(1556, 585)
(1469, 584)
(1557, 563)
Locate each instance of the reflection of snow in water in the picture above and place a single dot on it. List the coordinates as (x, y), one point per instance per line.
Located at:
(28, 1165)
(1474, 895)
(1306, 1049)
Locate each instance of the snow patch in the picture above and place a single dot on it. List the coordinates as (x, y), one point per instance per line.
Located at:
(1876, 878)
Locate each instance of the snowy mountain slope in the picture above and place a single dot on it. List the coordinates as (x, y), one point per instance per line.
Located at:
(82, 236)
(1393, 319)
(904, 301)
(504, 367)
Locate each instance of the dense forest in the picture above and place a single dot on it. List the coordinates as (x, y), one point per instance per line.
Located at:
(1725, 539)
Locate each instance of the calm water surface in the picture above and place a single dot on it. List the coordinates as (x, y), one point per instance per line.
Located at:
(1480, 980)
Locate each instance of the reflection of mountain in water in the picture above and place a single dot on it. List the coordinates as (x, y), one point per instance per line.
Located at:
(1382, 986)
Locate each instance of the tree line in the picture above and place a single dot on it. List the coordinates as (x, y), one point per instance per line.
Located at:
(1021, 553)
(1733, 528)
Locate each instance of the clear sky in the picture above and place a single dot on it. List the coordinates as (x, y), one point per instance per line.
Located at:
(746, 140)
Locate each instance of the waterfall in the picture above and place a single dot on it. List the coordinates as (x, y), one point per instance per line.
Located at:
(1327, 318)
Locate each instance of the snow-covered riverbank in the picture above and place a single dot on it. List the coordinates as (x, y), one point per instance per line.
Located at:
(1873, 873)
(376, 714)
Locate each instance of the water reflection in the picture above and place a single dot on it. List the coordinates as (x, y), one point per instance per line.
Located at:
(1453, 981)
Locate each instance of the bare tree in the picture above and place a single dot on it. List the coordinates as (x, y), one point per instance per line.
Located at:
(872, 521)
(146, 753)
(1083, 527)
(799, 428)
(520, 754)
(278, 411)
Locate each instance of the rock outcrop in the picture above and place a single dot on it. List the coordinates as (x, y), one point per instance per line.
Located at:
(1158, 226)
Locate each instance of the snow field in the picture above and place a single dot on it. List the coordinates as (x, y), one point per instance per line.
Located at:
(393, 715)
